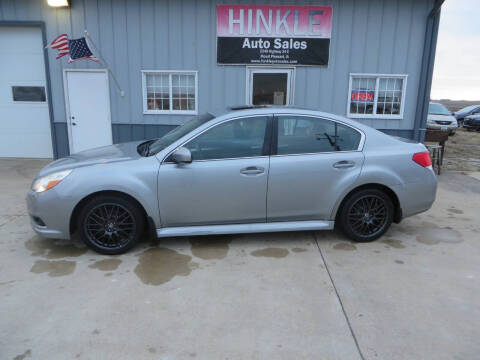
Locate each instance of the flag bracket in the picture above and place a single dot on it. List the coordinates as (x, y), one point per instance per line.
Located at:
(87, 36)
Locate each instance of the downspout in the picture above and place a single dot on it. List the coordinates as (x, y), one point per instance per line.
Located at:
(426, 74)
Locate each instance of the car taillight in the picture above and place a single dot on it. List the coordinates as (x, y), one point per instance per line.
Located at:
(422, 159)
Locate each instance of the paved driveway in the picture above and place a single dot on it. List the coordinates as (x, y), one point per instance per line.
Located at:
(312, 295)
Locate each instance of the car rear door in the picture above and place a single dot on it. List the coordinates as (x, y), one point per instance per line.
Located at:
(314, 160)
(226, 183)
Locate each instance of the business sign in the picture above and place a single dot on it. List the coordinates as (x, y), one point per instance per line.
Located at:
(263, 35)
(363, 96)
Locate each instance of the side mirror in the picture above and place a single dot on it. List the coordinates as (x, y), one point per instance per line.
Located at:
(181, 156)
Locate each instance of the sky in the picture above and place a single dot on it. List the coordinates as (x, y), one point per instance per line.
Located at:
(456, 74)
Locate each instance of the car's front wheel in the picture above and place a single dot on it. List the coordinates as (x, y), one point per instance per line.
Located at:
(111, 224)
(366, 215)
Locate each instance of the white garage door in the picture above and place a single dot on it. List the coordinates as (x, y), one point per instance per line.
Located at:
(24, 116)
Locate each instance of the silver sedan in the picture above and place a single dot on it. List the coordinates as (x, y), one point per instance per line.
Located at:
(249, 170)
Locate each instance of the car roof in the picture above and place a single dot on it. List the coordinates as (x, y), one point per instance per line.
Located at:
(468, 108)
(250, 110)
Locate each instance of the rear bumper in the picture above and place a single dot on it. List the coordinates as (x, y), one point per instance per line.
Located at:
(417, 197)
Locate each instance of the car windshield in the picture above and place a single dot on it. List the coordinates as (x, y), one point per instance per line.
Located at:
(438, 109)
(467, 109)
(180, 131)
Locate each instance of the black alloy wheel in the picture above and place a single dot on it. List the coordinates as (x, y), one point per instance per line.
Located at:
(366, 215)
(111, 224)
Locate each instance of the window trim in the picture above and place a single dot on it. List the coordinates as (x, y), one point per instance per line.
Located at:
(267, 137)
(404, 77)
(275, 135)
(252, 70)
(147, 111)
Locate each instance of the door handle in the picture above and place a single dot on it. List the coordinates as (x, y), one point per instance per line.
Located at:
(344, 164)
(252, 170)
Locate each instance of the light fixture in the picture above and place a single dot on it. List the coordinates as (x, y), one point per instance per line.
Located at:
(58, 3)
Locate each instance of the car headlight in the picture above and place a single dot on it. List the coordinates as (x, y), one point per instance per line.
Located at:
(49, 181)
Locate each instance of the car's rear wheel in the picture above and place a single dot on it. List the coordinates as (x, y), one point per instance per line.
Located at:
(111, 224)
(366, 215)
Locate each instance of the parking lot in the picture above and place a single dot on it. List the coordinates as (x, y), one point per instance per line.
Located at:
(414, 294)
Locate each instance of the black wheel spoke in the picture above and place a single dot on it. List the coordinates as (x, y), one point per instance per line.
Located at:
(368, 215)
(110, 225)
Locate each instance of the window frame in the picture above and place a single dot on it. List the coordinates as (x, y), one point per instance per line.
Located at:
(274, 145)
(267, 141)
(147, 111)
(377, 77)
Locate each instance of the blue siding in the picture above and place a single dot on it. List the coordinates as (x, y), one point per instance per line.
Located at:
(368, 36)
(130, 132)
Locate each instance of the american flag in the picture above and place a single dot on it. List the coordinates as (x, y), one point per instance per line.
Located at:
(76, 48)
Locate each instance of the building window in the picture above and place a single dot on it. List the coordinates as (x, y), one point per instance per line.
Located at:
(29, 93)
(376, 96)
(169, 92)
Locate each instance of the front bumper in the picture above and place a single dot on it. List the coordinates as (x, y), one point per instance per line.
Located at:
(449, 128)
(469, 124)
(54, 218)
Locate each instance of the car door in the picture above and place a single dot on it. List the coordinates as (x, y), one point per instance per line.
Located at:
(226, 182)
(314, 160)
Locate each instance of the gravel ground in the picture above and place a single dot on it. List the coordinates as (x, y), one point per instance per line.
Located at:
(462, 151)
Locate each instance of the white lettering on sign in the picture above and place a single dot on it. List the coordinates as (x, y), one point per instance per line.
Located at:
(265, 21)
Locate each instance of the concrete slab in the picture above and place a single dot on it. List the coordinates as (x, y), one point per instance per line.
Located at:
(224, 297)
(414, 294)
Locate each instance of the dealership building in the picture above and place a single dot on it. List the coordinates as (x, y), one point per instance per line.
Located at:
(148, 66)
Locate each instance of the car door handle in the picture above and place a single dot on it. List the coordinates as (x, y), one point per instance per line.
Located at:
(344, 164)
(252, 170)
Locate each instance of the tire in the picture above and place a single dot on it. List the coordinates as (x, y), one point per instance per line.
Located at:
(356, 220)
(111, 224)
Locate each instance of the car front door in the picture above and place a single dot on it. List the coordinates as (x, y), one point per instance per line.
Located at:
(314, 161)
(226, 182)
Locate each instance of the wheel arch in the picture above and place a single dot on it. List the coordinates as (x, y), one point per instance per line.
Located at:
(397, 216)
(78, 207)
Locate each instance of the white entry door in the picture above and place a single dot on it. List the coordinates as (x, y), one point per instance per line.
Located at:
(88, 109)
(24, 114)
(270, 86)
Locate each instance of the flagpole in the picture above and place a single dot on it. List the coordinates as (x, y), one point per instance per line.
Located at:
(122, 93)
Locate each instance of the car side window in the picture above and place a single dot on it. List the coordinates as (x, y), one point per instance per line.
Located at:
(303, 135)
(237, 138)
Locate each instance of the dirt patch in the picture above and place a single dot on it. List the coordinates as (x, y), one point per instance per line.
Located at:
(26, 354)
(211, 247)
(345, 246)
(455, 211)
(270, 252)
(106, 264)
(157, 266)
(397, 244)
(429, 233)
(435, 235)
(462, 151)
(299, 250)
(53, 249)
(53, 268)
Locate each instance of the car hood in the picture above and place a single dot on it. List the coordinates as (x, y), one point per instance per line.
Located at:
(441, 117)
(101, 155)
(473, 117)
